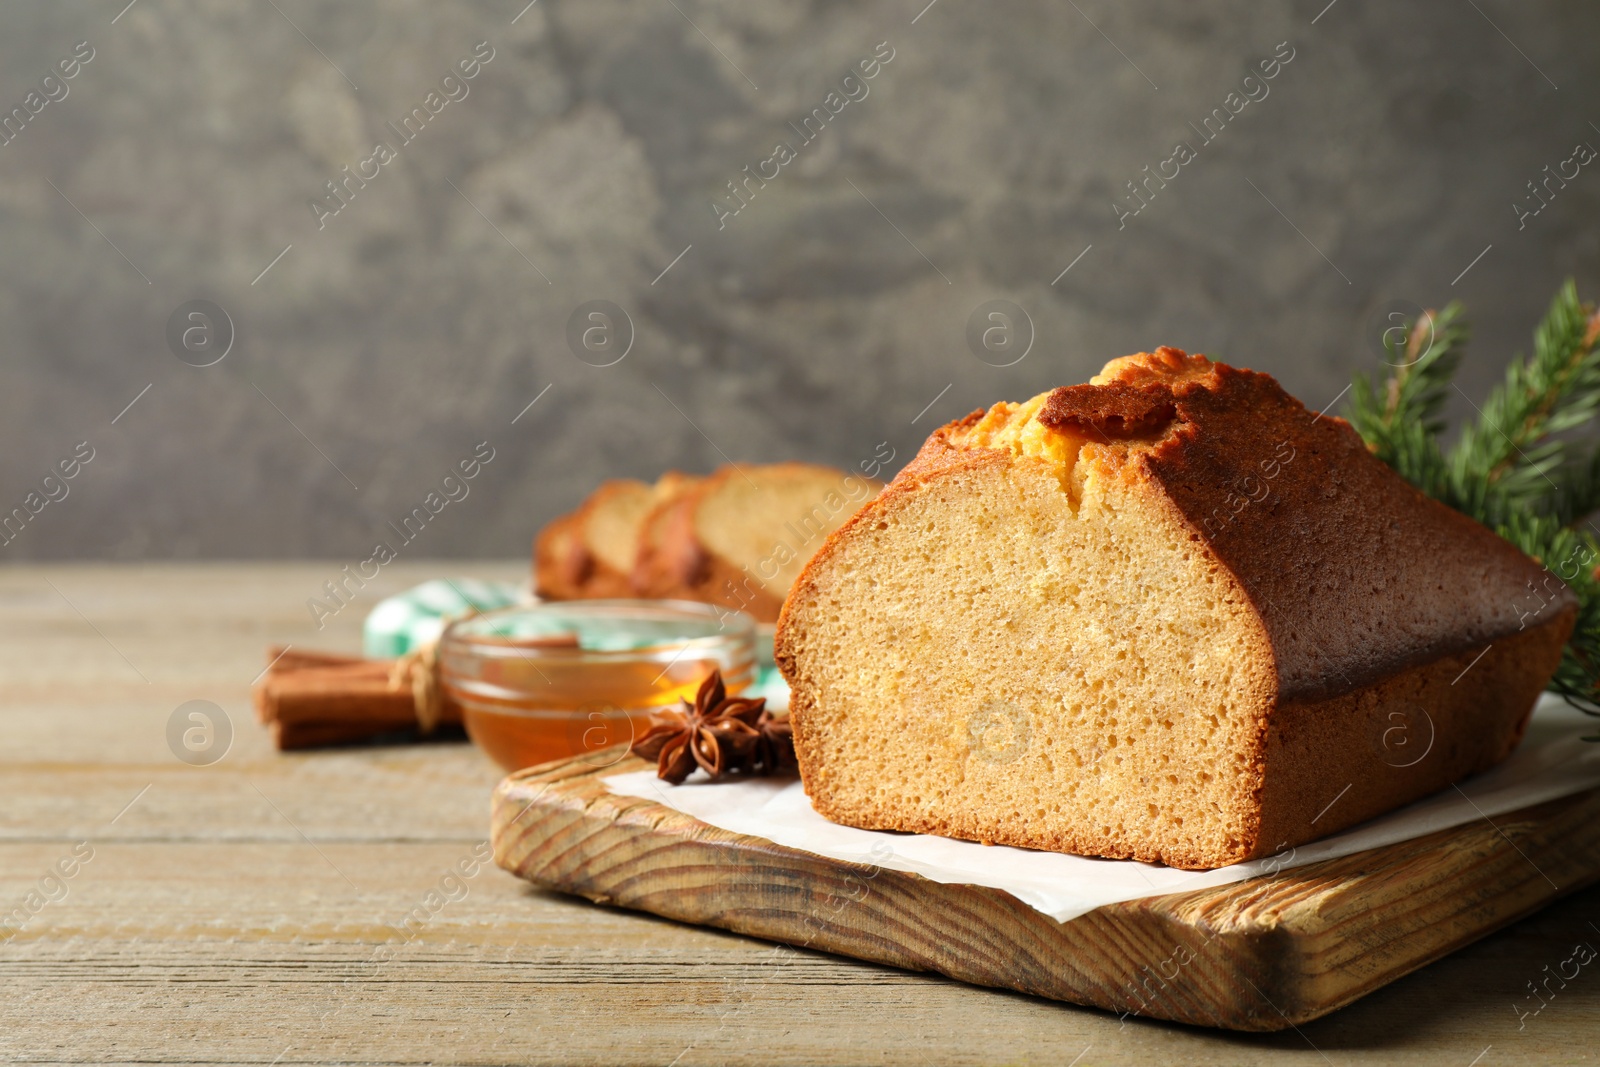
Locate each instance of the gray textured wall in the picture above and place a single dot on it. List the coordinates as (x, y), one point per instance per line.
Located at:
(986, 155)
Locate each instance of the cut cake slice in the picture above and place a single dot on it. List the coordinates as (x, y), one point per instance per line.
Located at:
(591, 553)
(740, 537)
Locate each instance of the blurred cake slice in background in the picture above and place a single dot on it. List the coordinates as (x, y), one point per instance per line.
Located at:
(591, 552)
(741, 537)
(736, 538)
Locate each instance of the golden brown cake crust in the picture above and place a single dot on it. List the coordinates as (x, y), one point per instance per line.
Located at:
(1337, 762)
(564, 566)
(667, 557)
(1332, 545)
(1374, 600)
(567, 565)
(561, 565)
(1110, 411)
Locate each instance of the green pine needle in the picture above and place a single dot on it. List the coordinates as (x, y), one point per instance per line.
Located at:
(1519, 467)
(1506, 461)
(1578, 485)
(1401, 418)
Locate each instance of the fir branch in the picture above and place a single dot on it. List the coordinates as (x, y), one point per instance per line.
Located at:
(1512, 469)
(1577, 489)
(1401, 418)
(1504, 461)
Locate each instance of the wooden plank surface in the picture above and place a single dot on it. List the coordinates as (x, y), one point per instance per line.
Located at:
(1260, 955)
(234, 912)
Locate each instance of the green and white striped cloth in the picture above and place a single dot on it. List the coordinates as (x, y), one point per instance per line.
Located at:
(406, 620)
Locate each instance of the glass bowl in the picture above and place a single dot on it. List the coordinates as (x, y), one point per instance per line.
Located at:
(564, 678)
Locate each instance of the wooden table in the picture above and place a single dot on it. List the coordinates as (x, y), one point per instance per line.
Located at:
(232, 912)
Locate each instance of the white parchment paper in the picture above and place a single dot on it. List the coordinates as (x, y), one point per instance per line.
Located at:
(1553, 761)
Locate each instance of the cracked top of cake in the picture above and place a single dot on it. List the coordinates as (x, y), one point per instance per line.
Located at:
(1278, 493)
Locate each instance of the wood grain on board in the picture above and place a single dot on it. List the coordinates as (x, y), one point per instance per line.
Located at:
(1264, 954)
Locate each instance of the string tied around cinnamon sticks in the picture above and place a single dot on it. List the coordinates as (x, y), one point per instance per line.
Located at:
(310, 699)
(418, 670)
(313, 699)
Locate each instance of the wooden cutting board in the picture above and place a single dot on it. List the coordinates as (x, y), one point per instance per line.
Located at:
(1264, 954)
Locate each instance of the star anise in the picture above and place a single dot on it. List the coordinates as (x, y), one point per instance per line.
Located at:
(775, 751)
(720, 735)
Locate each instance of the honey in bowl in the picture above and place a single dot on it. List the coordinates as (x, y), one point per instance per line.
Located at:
(562, 679)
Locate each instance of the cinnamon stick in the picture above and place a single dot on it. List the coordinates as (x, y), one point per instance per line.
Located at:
(310, 699)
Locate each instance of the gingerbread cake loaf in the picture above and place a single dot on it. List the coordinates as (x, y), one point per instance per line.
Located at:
(1170, 615)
